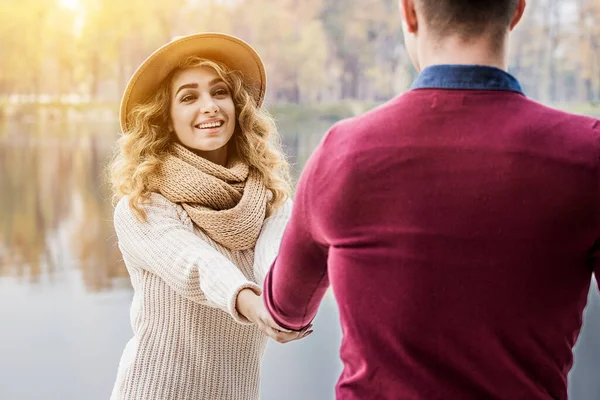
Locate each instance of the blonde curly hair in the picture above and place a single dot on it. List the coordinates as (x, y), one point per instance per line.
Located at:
(147, 140)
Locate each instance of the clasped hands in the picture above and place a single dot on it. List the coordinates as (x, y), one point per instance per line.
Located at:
(252, 307)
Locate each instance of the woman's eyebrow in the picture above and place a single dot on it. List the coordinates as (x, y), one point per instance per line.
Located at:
(215, 81)
(187, 86)
(195, 85)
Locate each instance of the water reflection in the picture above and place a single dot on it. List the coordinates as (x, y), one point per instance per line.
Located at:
(54, 206)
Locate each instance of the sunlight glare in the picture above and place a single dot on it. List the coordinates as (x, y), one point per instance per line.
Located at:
(71, 4)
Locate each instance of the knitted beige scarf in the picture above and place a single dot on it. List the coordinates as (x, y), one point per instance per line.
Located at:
(227, 203)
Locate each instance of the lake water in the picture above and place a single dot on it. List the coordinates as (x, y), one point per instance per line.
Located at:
(65, 295)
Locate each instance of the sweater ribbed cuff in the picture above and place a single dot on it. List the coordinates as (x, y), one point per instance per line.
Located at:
(239, 318)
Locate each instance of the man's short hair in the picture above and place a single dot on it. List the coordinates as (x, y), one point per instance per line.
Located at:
(468, 18)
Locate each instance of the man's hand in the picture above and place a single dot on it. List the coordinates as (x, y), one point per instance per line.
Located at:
(251, 306)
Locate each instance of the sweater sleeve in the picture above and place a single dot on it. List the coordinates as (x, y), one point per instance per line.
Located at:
(267, 245)
(298, 280)
(168, 247)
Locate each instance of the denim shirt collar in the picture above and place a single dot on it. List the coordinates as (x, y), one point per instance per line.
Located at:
(466, 77)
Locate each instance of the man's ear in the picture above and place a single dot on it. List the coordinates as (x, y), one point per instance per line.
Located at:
(518, 13)
(408, 15)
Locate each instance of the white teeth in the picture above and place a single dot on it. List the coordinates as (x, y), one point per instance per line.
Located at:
(210, 125)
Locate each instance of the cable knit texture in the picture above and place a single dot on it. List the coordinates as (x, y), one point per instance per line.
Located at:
(228, 203)
(189, 341)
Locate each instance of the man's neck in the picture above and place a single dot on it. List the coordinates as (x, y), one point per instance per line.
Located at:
(454, 50)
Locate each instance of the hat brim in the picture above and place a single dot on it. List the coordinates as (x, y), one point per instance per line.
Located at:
(228, 50)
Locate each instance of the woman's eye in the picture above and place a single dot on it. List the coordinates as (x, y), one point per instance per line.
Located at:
(187, 98)
(221, 92)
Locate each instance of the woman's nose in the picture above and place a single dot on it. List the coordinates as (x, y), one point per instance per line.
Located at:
(208, 106)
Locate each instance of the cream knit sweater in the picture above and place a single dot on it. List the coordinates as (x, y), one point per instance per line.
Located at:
(189, 341)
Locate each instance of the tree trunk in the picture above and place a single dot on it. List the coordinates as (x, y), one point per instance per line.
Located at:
(95, 75)
(350, 78)
(554, 41)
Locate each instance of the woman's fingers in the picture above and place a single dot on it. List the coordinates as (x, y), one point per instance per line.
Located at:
(274, 325)
(306, 334)
(283, 337)
(279, 333)
(289, 336)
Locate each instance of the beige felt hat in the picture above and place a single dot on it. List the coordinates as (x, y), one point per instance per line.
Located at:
(229, 50)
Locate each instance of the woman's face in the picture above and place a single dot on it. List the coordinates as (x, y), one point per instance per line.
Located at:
(202, 112)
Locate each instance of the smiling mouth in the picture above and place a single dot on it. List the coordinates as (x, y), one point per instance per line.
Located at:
(209, 125)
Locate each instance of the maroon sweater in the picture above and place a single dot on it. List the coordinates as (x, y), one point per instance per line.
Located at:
(458, 231)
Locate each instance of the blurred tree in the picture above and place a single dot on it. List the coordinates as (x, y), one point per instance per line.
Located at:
(589, 48)
(360, 39)
(23, 29)
(291, 42)
(118, 35)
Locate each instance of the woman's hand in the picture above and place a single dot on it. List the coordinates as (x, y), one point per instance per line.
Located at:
(251, 306)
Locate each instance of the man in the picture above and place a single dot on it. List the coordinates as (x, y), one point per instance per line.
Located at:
(457, 224)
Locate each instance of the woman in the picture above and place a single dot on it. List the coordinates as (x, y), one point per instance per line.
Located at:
(202, 203)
